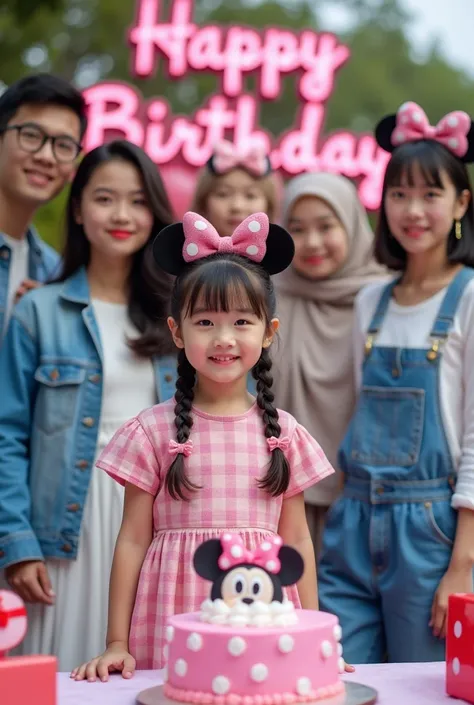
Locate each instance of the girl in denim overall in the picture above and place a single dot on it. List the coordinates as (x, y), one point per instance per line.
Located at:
(400, 540)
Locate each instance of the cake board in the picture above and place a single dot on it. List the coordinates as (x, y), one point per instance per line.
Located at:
(356, 694)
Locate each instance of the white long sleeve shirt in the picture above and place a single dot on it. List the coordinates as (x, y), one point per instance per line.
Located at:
(410, 327)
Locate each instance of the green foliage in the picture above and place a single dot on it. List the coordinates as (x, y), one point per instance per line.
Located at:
(381, 74)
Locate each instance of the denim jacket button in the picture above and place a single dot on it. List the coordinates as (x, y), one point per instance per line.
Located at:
(82, 464)
(66, 548)
(54, 374)
(73, 507)
(379, 490)
(4, 254)
(88, 421)
(2, 553)
(168, 378)
(95, 379)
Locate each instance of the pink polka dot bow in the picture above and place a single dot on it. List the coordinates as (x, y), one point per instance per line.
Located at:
(451, 131)
(265, 556)
(227, 157)
(202, 239)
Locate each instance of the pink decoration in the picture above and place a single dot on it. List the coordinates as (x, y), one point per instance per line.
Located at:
(116, 109)
(203, 240)
(185, 449)
(451, 131)
(13, 620)
(228, 157)
(236, 52)
(281, 443)
(265, 556)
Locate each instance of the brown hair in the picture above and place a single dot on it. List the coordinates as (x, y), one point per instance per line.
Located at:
(207, 181)
(220, 281)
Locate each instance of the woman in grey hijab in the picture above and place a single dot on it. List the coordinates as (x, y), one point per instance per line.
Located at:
(333, 260)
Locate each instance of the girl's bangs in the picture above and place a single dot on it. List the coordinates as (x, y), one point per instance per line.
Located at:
(224, 286)
(418, 157)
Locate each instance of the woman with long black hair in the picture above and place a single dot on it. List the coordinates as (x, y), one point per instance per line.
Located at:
(81, 356)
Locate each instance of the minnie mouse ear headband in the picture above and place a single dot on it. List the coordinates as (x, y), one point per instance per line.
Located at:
(195, 238)
(455, 131)
(227, 156)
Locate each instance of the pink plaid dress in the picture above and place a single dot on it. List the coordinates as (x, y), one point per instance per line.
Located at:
(230, 454)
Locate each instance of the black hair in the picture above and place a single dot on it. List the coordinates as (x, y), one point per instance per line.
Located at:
(150, 287)
(431, 158)
(222, 281)
(42, 89)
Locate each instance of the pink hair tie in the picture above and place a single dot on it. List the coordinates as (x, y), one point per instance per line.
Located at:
(282, 443)
(185, 449)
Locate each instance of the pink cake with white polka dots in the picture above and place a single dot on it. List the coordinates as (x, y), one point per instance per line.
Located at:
(221, 664)
(248, 645)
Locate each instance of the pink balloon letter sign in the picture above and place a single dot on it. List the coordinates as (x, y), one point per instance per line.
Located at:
(23, 679)
(232, 54)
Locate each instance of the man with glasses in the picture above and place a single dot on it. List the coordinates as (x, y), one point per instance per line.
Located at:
(42, 123)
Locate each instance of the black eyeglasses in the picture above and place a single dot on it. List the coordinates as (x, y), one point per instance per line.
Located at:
(32, 138)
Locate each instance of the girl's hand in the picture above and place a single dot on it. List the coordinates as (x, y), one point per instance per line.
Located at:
(456, 579)
(115, 658)
(348, 668)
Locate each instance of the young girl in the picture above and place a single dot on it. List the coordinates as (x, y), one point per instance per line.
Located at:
(214, 458)
(313, 358)
(400, 539)
(233, 185)
(80, 357)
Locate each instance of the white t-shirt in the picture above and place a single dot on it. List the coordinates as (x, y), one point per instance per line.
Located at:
(410, 327)
(17, 271)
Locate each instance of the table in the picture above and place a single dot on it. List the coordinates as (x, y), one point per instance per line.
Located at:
(397, 683)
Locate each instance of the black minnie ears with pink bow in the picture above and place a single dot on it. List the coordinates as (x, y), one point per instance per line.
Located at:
(180, 244)
(455, 131)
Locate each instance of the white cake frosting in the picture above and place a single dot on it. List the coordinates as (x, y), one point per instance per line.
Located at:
(258, 614)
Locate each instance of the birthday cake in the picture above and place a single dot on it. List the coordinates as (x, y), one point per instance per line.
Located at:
(248, 645)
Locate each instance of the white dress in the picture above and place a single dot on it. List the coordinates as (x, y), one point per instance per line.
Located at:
(74, 629)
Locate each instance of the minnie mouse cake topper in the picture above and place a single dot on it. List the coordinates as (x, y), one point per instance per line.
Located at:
(454, 131)
(179, 245)
(248, 577)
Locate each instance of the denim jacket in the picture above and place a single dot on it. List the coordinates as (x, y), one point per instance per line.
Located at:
(42, 265)
(50, 402)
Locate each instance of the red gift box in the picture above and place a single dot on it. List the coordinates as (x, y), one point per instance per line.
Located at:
(28, 680)
(460, 647)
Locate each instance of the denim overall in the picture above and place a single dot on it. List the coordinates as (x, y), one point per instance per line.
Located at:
(389, 537)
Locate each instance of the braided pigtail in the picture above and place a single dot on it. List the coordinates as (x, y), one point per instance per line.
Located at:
(277, 479)
(177, 483)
